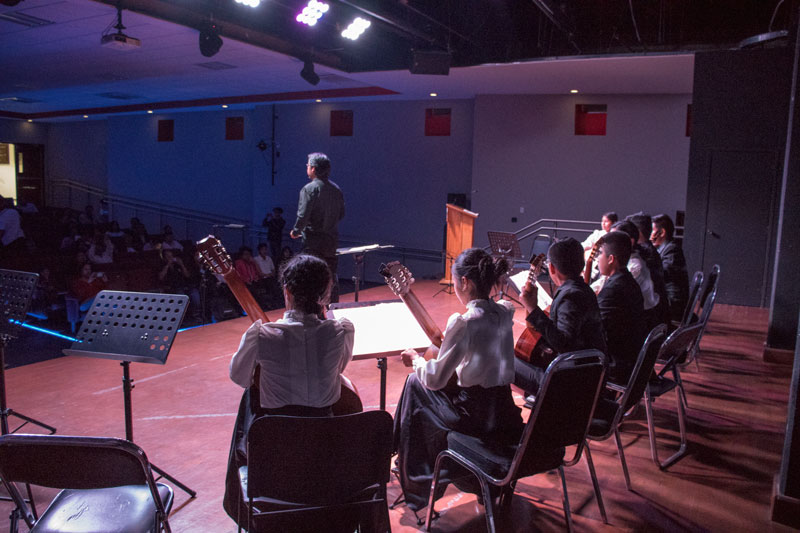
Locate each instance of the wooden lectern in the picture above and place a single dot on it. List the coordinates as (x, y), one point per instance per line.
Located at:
(460, 229)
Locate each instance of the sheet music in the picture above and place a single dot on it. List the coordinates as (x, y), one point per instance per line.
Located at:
(384, 327)
(518, 281)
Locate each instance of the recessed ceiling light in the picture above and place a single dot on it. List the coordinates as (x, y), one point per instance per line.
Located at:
(30, 120)
(574, 91)
(149, 111)
(318, 100)
(434, 94)
(224, 106)
(85, 116)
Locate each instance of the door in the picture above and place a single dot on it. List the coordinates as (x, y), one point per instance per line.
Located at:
(29, 160)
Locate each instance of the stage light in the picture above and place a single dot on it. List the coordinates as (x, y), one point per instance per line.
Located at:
(210, 41)
(149, 111)
(30, 120)
(224, 106)
(434, 94)
(312, 12)
(574, 91)
(356, 28)
(85, 116)
(251, 3)
(308, 73)
(317, 100)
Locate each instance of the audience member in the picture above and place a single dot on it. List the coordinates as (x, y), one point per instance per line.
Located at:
(86, 286)
(101, 251)
(676, 276)
(12, 237)
(176, 279)
(274, 223)
(170, 243)
(114, 231)
(153, 244)
(86, 218)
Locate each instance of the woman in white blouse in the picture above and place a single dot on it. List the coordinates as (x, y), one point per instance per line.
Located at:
(465, 387)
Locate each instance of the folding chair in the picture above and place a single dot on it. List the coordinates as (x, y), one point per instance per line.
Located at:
(318, 474)
(608, 413)
(692, 302)
(706, 296)
(560, 417)
(673, 351)
(108, 485)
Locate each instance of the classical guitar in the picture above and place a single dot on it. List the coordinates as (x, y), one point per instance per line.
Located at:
(213, 255)
(530, 346)
(399, 279)
(587, 271)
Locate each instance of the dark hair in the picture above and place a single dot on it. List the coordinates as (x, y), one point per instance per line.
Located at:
(664, 222)
(479, 267)
(611, 216)
(278, 210)
(262, 245)
(627, 227)
(618, 244)
(643, 223)
(308, 278)
(321, 163)
(244, 249)
(567, 256)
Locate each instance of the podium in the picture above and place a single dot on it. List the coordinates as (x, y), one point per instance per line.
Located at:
(460, 232)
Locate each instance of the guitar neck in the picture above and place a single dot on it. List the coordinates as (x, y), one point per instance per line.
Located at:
(421, 315)
(244, 297)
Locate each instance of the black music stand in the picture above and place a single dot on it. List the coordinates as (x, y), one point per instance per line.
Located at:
(130, 327)
(358, 253)
(506, 245)
(16, 293)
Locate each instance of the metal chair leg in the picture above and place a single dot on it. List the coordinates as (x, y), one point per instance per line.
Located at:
(623, 462)
(595, 483)
(683, 448)
(565, 499)
(488, 504)
(434, 483)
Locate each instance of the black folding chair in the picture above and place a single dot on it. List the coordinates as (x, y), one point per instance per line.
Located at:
(108, 485)
(608, 413)
(672, 353)
(560, 417)
(318, 474)
(706, 298)
(693, 301)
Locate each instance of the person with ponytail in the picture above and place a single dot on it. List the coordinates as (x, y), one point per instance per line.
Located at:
(303, 354)
(464, 385)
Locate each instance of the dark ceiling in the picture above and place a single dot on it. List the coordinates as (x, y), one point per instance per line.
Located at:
(473, 32)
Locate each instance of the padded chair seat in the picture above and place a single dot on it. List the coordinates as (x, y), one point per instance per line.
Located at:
(661, 386)
(603, 417)
(127, 509)
(495, 458)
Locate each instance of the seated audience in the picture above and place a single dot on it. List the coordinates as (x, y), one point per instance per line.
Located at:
(676, 276)
(248, 270)
(86, 286)
(101, 251)
(170, 243)
(153, 244)
(268, 281)
(621, 306)
(573, 322)
(274, 222)
(465, 386)
(114, 231)
(176, 279)
(86, 218)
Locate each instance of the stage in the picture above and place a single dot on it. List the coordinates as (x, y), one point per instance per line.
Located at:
(183, 414)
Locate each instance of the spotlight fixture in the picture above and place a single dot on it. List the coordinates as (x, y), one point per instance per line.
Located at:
(356, 28)
(210, 41)
(30, 120)
(434, 94)
(149, 111)
(308, 73)
(312, 12)
(119, 40)
(318, 100)
(85, 116)
(251, 3)
(573, 91)
(224, 106)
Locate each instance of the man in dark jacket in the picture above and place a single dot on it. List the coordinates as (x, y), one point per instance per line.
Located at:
(574, 319)
(676, 276)
(621, 306)
(319, 210)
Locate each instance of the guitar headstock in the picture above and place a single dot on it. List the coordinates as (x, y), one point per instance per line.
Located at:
(537, 264)
(593, 253)
(398, 277)
(213, 256)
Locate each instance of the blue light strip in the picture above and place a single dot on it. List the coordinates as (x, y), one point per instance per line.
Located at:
(192, 327)
(47, 331)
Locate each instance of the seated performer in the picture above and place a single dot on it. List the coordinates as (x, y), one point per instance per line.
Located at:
(648, 252)
(466, 387)
(676, 277)
(621, 308)
(608, 220)
(574, 321)
(301, 358)
(643, 275)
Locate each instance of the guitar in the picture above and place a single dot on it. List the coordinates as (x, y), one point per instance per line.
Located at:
(587, 271)
(399, 279)
(530, 346)
(212, 254)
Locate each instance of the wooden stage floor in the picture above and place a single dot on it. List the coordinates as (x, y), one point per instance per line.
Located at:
(184, 411)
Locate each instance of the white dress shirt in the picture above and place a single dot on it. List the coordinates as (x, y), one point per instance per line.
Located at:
(301, 358)
(478, 346)
(638, 268)
(10, 224)
(265, 265)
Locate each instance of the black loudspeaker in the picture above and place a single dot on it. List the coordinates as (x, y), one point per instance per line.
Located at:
(431, 62)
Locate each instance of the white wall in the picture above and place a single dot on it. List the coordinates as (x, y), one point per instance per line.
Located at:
(525, 154)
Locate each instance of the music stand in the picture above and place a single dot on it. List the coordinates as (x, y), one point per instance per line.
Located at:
(16, 293)
(358, 253)
(137, 327)
(506, 245)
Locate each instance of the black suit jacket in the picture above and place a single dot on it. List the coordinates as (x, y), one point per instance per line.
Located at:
(622, 313)
(676, 278)
(574, 321)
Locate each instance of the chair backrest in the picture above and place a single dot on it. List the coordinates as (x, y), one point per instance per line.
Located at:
(318, 461)
(562, 412)
(645, 363)
(679, 344)
(541, 243)
(709, 294)
(59, 461)
(694, 296)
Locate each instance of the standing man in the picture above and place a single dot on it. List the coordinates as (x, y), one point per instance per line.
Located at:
(319, 210)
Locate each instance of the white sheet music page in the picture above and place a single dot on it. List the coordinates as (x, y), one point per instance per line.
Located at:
(384, 327)
(519, 279)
